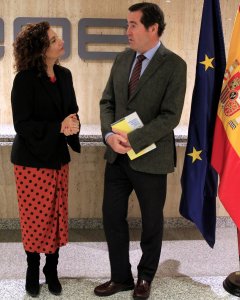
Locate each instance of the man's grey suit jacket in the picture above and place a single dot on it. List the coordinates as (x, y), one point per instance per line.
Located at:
(158, 100)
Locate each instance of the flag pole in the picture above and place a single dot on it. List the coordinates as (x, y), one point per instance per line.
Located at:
(238, 239)
(232, 283)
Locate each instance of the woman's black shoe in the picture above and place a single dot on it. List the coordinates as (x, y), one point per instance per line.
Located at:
(50, 272)
(32, 276)
(54, 284)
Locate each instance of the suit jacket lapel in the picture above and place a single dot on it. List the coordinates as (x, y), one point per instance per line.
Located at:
(152, 67)
(52, 95)
(63, 87)
(125, 72)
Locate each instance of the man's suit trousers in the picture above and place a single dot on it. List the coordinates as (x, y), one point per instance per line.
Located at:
(120, 181)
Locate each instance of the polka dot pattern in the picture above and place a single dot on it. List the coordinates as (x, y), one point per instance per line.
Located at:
(43, 207)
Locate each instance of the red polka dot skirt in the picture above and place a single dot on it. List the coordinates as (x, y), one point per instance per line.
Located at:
(43, 207)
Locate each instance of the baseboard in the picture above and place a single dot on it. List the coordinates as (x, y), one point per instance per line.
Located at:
(134, 223)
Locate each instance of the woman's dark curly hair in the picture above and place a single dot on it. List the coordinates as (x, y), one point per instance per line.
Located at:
(30, 47)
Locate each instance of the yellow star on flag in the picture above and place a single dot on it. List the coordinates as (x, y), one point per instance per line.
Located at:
(207, 62)
(195, 155)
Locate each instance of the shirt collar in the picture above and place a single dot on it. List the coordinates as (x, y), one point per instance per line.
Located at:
(149, 54)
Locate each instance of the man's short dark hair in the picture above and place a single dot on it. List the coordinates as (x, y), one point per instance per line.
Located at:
(152, 14)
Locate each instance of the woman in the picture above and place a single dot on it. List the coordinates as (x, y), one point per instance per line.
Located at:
(45, 119)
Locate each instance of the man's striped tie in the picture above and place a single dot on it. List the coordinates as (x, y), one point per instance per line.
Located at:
(135, 75)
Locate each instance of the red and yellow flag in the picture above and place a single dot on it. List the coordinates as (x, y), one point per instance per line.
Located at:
(226, 143)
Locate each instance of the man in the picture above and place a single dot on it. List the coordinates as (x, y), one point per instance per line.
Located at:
(158, 98)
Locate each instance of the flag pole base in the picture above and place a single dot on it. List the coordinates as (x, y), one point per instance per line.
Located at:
(232, 284)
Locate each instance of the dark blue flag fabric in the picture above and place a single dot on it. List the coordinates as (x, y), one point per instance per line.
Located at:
(199, 179)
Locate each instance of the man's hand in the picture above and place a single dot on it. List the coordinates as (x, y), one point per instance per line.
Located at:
(119, 142)
(125, 136)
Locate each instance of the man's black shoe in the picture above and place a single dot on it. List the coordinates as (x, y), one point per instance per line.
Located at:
(142, 290)
(109, 288)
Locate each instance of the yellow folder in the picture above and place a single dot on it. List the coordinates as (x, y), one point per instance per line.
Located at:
(128, 124)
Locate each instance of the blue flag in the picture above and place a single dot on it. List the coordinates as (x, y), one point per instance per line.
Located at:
(199, 179)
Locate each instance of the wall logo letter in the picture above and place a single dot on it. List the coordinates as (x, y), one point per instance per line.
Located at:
(84, 38)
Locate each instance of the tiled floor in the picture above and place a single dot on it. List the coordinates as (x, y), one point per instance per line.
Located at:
(188, 269)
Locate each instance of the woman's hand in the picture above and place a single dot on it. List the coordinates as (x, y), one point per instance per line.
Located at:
(70, 125)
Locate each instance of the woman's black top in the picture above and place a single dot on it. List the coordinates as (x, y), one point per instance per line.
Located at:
(39, 106)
